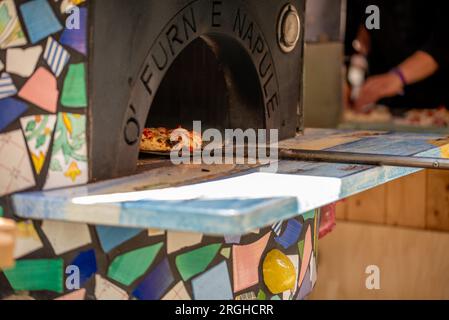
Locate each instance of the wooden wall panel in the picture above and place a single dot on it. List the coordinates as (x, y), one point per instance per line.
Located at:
(437, 217)
(406, 201)
(368, 206)
(413, 263)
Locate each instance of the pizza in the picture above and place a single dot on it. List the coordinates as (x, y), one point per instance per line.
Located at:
(165, 140)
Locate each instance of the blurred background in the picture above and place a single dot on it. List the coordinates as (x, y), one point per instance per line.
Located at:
(391, 78)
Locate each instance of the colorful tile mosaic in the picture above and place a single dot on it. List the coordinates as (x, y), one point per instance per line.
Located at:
(50, 151)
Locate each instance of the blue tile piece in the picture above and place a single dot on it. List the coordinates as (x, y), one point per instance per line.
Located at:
(214, 284)
(290, 235)
(77, 38)
(112, 237)
(10, 110)
(87, 264)
(40, 20)
(156, 284)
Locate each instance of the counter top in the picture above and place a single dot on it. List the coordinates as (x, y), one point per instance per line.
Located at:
(233, 199)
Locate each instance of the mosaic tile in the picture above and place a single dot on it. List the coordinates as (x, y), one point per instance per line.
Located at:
(7, 86)
(290, 235)
(37, 275)
(2, 66)
(66, 5)
(232, 239)
(76, 38)
(2, 212)
(86, 261)
(65, 237)
(155, 232)
(301, 248)
(130, 266)
(38, 131)
(313, 272)
(156, 283)
(74, 296)
(11, 33)
(277, 228)
(261, 295)
(306, 287)
(295, 261)
(56, 56)
(74, 93)
(213, 284)
(22, 62)
(15, 166)
(40, 20)
(245, 262)
(68, 166)
(306, 255)
(41, 90)
(194, 262)
(10, 110)
(105, 290)
(247, 296)
(27, 240)
(279, 273)
(178, 293)
(180, 240)
(226, 252)
(112, 237)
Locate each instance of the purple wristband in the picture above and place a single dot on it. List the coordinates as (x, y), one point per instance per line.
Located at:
(399, 73)
(401, 76)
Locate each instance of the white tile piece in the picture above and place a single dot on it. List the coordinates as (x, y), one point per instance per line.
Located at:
(22, 61)
(65, 237)
(15, 167)
(295, 260)
(105, 290)
(313, 271)
(180, 240)
(27, 240)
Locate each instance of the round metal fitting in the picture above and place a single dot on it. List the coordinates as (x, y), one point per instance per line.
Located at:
(289, 28)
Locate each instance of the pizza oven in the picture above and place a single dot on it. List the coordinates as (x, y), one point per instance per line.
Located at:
(229, 64)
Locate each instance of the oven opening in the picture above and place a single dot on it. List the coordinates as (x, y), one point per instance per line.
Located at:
(213, 81)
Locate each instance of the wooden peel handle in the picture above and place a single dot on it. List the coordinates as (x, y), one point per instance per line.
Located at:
(7, 242)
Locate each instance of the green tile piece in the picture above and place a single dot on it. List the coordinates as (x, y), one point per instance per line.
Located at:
(194, 262)
(309, 215)
(37, 275)
(275, 298)
(74, 94)
(226, 252)
(301, 248)
(2, 212)
(261, 295)
(130, 266)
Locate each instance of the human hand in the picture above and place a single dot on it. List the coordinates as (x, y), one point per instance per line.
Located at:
(378, 87)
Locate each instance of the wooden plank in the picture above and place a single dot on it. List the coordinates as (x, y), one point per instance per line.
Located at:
(406, 201)
(437, 215)
(413, 263)
(341, 210)
(368, 206)
(153, 199)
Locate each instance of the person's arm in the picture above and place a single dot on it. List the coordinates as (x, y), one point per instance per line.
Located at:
(433, 56)
(418, 67)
